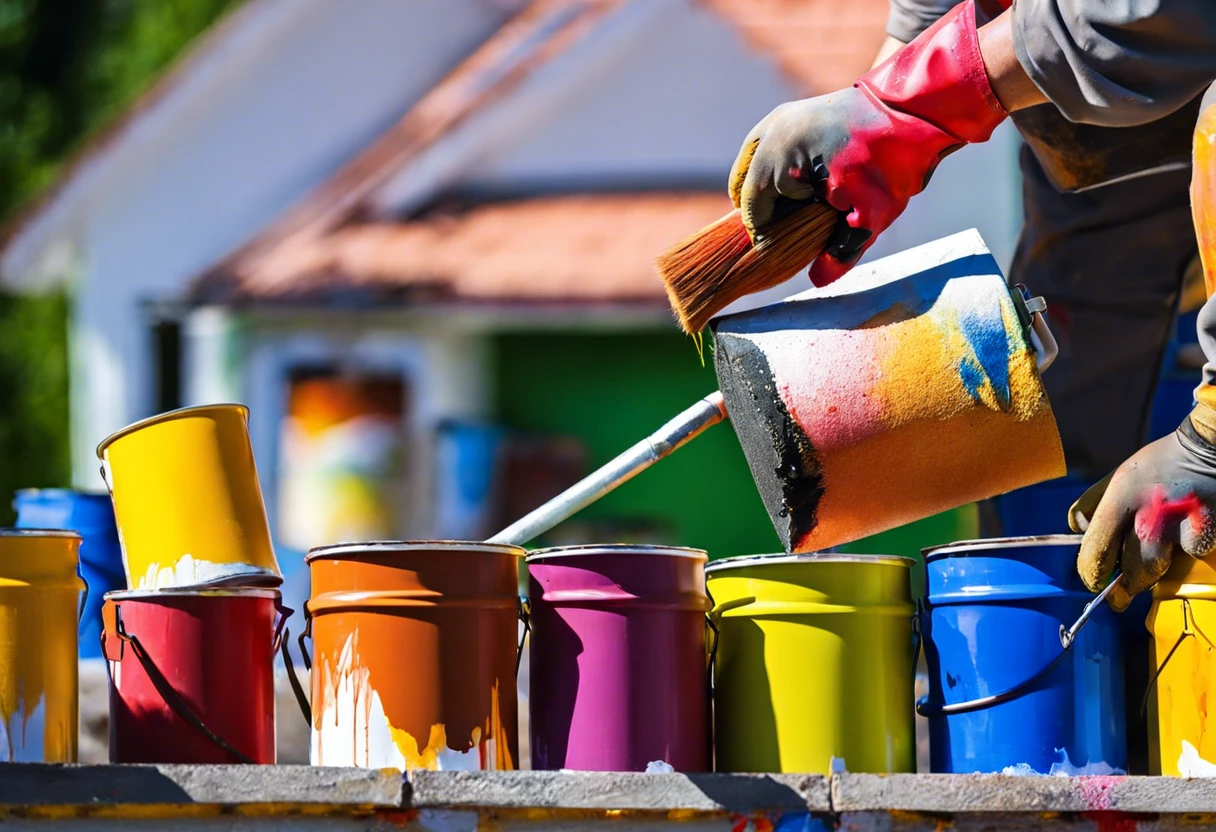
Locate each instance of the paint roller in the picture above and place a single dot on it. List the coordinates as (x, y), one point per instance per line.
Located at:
(906, 389)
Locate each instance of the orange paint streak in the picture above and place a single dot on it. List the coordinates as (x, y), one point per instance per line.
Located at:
(1203, 194)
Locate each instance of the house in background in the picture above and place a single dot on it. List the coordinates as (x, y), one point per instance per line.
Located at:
(417, 239)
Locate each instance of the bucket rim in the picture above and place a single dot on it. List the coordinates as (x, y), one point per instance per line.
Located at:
(806, 557)
(98, 494)
(167, 416)
(965, 547)
(363, 546)
(63, 533)
(617, 549)
(227, 591)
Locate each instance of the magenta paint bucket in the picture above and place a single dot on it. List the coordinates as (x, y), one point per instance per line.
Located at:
(619, 671)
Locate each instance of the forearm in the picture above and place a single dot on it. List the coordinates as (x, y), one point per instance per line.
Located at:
(889, 47)
(1010, 83)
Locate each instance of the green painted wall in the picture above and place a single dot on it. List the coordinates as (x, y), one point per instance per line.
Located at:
(612, 390)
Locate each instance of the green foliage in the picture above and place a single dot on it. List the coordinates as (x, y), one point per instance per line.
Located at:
(34, 381)
(66, 68)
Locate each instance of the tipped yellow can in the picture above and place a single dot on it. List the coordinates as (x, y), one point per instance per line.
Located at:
(40, 590)
(187, 500)
(1182, 622)
(814, 661)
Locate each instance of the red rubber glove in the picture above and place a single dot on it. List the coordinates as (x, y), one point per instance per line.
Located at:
(868, 149)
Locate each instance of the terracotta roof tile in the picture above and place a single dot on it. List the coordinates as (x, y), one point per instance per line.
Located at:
(822, 45)
(572, 249)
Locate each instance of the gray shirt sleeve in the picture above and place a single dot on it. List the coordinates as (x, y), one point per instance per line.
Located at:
(1116, 62)
(908, 18)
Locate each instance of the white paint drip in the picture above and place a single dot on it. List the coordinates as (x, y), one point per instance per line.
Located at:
(355, 731)
(191, 571)
(1065, 768)
(21, 737)
(1190, 764)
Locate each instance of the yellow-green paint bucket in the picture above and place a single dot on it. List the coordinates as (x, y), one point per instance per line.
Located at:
(40, 590)
(814, 661)
(1182, 650)
(187, 500)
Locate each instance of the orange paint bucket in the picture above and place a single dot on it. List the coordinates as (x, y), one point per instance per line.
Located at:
(414, 653)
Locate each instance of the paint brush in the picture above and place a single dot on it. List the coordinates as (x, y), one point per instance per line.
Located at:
(713, 268)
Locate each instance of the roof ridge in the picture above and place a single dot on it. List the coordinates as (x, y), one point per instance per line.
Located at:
(530, 39)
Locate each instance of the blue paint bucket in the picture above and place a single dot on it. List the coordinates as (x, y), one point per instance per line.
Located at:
(1003, 691)
(92, 517)
(466, 456)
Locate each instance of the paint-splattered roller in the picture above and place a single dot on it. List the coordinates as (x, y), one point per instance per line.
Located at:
(907, 388)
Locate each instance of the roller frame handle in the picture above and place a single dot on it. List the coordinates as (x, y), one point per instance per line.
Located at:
(679, 431)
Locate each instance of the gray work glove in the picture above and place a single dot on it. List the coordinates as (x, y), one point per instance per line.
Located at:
(1159, 504)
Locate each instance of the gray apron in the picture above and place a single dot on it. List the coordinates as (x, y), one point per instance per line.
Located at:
(1079, 157)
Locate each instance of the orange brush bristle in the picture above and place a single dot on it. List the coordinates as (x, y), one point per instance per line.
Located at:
(718, 265)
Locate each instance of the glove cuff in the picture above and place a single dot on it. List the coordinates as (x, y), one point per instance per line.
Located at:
(1200, 426)
(940, 78)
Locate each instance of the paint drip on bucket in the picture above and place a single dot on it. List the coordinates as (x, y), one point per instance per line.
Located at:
(40, 593)
(353, 729)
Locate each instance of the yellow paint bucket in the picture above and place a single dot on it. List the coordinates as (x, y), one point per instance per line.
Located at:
(1182, 655)
(187, 500)
(40, 590)
(814, 660)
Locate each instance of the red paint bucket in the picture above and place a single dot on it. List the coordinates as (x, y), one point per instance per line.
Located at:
(192, 675)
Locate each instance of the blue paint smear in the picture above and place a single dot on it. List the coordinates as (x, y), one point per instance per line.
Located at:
(990, 348)
(972, 375)
(799, 822)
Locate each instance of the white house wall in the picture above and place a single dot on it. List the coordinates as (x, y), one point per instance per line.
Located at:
(236, 142)
(672, 104)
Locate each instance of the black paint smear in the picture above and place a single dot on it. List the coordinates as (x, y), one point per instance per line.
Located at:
(783, 461)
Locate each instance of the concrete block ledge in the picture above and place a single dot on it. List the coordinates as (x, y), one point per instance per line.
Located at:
(114, 792)
(994, 793)
(579, 791)
(27, 785)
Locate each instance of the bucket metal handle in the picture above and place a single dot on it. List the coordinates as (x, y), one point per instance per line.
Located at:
(289, 665)
(716, 611)
(1044, 343)
(112, 618)
(84, 596)
(1069, 634)
(721, 609)
(1067, 638)
(1188, 629)
(525, 617)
